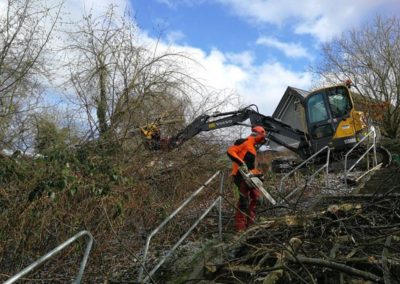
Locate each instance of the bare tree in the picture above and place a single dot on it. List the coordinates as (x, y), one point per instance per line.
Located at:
(113, 75)
(26, 27)
(370, 57)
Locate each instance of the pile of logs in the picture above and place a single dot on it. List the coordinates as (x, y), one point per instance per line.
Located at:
(347, 239)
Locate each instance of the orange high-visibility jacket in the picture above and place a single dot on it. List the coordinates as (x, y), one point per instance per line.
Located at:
(243, 151)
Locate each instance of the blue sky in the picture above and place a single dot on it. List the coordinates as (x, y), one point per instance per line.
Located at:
(256, 47)
(210, 25)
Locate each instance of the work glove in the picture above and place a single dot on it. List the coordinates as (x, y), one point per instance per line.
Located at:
(244, 168)
(260, 176)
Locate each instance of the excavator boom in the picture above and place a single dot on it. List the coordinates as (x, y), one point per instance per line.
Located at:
(276, 130)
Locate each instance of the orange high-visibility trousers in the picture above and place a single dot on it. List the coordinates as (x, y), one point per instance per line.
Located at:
(246, 213)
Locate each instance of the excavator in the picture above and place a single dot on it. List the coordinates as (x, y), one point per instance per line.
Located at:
(330, 118)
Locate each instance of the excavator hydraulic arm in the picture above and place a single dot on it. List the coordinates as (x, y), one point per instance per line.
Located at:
(276, 130)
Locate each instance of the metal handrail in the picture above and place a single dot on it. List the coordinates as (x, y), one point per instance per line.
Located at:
(373, 146)
(56, 251)
(325, 166)
(217, 201)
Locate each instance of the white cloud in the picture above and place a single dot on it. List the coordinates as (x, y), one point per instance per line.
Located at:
(262, 84)
(266, 84)
(173, 4)
(174, 36)
(3, 6)
(169, 3)
(213, 69)
(244, 59)
(321, 19)
(294, 50)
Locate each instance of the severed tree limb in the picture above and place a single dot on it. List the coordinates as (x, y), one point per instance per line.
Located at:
(290, 250)
(390, 261)
(334, 250)
(385, 266)
(336, 266)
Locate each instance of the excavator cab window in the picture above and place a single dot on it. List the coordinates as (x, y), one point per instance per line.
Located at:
(316, 109)
(339, 102)
(318, 117)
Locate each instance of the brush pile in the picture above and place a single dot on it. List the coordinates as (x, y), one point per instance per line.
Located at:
(347, 239)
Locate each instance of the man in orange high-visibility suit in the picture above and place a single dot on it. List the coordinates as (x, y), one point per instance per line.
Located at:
(243, 154)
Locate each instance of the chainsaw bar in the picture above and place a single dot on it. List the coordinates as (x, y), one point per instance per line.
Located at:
(255, 182)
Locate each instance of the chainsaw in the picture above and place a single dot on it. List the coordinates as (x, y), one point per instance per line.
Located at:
(253, 181)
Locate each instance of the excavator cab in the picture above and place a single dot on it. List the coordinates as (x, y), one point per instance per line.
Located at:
(331, 118)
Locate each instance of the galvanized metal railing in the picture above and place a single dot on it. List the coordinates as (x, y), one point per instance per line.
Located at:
(217, 202)
(323, 167)
(55, 251)
(372, 147)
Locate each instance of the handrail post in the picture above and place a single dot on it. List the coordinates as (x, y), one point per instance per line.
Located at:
(375, 160)
(221, 192)
(345, 170)
(368, 143)
(56, 251)
(327, 168)
(84, 260)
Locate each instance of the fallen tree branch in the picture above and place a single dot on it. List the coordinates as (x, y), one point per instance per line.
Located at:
(336, 266)
(385, 256)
